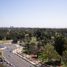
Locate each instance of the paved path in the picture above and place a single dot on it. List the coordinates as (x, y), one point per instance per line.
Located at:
(15, 60)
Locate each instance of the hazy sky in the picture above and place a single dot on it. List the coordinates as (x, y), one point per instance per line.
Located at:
(33, 13)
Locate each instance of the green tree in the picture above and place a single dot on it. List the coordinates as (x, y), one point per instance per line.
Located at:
(64, 57)
(49, 53)
(31, 46)
(59, 43)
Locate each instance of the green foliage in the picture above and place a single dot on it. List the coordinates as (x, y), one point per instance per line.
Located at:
(59, 43)
(35, 40)
(64, 57)
(31, 46)
(65, 45)
(49, 54)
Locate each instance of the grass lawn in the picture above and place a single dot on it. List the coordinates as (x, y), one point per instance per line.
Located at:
(4, 41)
(64, 65)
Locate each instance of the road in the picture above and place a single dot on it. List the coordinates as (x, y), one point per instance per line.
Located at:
(12, 58)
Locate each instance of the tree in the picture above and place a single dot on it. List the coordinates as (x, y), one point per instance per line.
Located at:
(64, 57)
(65, 45)
(31, 46)
(59, 44)
(49, 53)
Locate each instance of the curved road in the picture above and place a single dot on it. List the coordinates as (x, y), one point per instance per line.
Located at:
(15, 60)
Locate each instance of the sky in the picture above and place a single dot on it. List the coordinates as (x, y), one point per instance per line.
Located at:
(33, 13)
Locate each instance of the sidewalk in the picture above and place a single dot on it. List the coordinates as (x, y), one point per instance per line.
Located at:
(26, 57)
